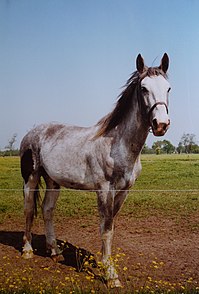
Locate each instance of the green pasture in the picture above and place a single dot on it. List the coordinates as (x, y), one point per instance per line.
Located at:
(169, 184)
(168, 187)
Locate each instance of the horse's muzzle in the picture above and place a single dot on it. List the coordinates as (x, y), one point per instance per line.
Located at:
(159, 129)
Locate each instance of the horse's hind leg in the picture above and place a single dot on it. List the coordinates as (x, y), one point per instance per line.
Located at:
(48, 206)
(29, 209)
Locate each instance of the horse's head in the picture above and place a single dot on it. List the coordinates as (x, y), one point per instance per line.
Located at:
(154, 90)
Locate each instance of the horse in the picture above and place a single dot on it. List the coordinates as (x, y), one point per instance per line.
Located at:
(104, 158)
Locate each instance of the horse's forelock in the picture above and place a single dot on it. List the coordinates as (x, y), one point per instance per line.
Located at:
(152, 71)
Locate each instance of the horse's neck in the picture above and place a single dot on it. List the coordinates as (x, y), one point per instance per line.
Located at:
(134, 130)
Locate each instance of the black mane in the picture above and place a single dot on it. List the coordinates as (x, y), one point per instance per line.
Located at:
(114, 118)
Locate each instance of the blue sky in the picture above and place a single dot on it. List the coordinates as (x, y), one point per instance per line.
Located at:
(66, 60)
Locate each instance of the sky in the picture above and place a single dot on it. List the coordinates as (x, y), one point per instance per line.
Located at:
(66, 60)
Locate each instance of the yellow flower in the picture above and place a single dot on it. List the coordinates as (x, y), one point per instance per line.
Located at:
(154, 262)
(24, 279)
(125, 268)
(45, 268)
(182, 287)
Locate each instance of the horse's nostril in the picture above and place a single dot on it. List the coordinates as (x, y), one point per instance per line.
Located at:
(155, 123)
(164, 127)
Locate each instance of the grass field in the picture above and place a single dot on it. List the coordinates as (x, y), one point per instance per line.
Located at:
(166, 192)
(168, 184)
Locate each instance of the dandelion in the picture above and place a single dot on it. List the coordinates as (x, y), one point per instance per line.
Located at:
(147, 287)
(72, 280)
(71, 269)
(11, 286)
(125, 268)
(24, 279)
(46, 268)
(154, 262)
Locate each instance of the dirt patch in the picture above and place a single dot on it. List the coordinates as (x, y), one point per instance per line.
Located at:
(154, 253)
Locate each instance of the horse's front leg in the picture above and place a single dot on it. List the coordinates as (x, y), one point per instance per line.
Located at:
(106, 212)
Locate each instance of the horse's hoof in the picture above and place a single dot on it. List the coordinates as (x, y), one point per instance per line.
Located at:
(27, 254)
(55, 258)
(114, 283)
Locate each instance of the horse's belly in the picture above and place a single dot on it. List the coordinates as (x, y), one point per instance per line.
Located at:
(76, 179)
(69, 171)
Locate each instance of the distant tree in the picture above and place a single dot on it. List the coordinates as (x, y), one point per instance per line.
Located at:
(180, 148)
(157, 147)
(147, 150)
(167, 147)
(187, 142)
(11, 142)
(164, 146)
(195, 148)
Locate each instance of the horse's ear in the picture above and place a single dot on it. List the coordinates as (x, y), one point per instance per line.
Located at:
(164, 63)
(140, 63)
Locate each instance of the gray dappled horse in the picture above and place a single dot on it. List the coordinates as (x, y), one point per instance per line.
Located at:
(104, 157)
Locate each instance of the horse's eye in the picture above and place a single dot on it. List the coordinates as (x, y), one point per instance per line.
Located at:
(169, 90)
(144, 90)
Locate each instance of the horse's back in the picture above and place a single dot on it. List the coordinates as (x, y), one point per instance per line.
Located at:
(69, 154)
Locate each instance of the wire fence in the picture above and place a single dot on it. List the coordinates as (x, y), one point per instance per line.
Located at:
(130, 191)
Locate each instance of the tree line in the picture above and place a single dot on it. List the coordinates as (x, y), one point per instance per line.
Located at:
(187, 145)
(10, 150)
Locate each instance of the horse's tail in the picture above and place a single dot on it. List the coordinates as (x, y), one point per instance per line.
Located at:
(30, 167)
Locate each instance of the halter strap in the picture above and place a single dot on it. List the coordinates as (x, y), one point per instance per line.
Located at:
(156, 104)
